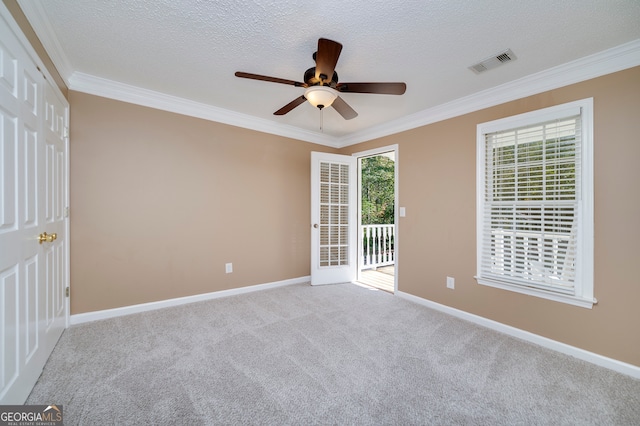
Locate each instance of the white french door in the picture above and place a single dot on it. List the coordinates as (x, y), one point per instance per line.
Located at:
(33, 196)
(334, 223)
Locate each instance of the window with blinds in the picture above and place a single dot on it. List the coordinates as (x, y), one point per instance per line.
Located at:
(532, 208)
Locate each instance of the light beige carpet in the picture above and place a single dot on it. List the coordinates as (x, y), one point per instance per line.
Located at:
(307, 355)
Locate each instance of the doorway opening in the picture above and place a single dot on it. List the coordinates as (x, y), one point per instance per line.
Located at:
(377, 236)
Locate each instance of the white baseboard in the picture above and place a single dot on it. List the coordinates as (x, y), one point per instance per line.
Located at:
(143, 307)
(602, 361)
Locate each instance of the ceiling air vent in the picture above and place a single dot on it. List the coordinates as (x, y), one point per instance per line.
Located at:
(494, 61)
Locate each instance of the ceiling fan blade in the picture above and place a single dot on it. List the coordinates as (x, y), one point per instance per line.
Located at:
(344, 109)
(291, 105)
(327, 58)
(377, 88)
(270, 79)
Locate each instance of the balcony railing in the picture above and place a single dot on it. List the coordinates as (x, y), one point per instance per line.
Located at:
(544, 259)
(377, 246)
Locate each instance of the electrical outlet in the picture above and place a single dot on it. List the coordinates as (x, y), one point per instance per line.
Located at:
(451, 282)
(228, 268)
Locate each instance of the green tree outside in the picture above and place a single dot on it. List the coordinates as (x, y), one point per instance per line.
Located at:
(378, 203)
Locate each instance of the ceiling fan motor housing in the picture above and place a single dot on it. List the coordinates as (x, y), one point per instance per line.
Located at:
(311, 80)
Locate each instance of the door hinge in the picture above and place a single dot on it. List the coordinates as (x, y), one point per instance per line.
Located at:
(66, 292)
(66, 212)
(65, 133)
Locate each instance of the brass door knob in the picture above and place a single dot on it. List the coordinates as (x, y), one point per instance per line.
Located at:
(47, 238)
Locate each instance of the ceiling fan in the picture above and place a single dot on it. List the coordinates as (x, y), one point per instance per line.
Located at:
(322, 83)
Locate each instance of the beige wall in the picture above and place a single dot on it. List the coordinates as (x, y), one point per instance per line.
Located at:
(160, 202)
(437, 238)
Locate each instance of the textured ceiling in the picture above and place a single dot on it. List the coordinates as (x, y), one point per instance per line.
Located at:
(191, 49)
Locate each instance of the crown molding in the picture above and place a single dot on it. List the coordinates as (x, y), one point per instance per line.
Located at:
(606, 62)
(126, 93)
(37, 17)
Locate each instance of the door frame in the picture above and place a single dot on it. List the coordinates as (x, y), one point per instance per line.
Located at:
(66, 184)
(67, 248)
(396, 199)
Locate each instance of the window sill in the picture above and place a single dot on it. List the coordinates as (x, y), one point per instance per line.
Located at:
(557, 297)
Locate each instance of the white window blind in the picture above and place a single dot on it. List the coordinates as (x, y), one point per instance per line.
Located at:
(531, 204)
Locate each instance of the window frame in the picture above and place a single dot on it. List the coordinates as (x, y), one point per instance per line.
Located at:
(584, 283)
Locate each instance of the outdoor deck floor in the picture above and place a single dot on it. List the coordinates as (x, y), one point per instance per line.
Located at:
(381, 278)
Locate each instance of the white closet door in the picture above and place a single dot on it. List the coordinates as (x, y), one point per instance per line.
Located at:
(33, 196)
(54, 172)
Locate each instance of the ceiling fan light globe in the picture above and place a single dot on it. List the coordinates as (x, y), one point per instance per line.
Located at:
(320, 96)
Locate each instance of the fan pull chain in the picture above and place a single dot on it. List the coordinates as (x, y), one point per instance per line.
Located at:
(321, 121)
